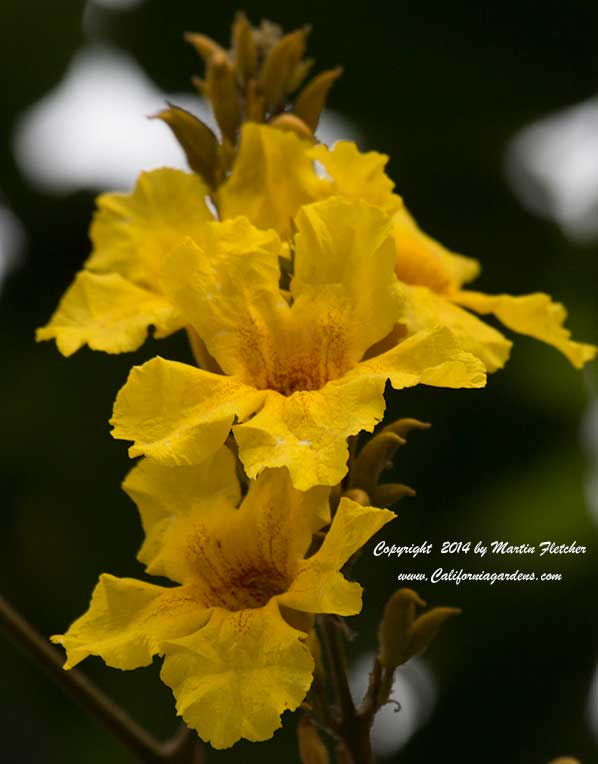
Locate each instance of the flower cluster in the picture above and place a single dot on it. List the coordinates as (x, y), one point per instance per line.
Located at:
(305, 286)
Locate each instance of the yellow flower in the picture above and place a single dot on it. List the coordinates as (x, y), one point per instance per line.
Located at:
(233, 631)
(435, 277)
(117, 296)
(300, 371)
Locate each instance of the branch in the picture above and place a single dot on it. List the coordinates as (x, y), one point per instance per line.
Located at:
(354, 729)
(182, 748)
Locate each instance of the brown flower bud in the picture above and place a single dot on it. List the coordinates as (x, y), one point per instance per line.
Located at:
(244, 49)
(388, 494)
(373, 459)
(311, 748)
(197, 141)
(254, 103)
(292, 123)
(205, 46)
(280, 66)
(357, 495)
(223, 93)
(404, 426)
(312, 99)
(401, 634)
(299, 74)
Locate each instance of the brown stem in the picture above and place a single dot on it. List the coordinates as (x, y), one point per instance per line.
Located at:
(320, 711)
(182, 748)
(378, 692)
(353, 728)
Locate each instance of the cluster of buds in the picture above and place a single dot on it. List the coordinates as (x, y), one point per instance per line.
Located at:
(374, 458)
(260, 79)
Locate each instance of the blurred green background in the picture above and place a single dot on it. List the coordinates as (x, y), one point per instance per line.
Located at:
(442, 87)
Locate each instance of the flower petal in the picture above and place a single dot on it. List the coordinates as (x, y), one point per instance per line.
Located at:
(533, 314)
(195, 534)
(165, 494)
(427, 309)
(235, 676)
(429, 357)
(133, 233)
(239, 559)
(272, 177)
(337, 244)
(318, 585)
(307, 431)
(126, 621)
(178, 414)
(226, 285)
(358, 175)
(109, 313)
(423, 261)
(279, 520)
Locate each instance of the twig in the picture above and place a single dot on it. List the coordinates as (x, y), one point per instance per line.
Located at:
(182, 748)
(353, 728)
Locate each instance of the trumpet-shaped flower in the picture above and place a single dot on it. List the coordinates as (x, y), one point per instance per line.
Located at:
(300, 371)
(233, 631)
(117, 296)
(435, 277)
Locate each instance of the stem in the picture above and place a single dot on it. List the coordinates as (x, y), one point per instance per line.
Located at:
(378, 692)
(353, 728)
(182, 748)
(320, 711)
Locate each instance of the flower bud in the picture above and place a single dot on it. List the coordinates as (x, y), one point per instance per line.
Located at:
(389, 494)
(280, 66)
(244, 49)
(403, 427)
(312, 99)
(357, 495)
(254, 103)
(204, 45)
(311, 748)
(373, 459)
(401, 634)
(197, 141)
(292, 123)
(223, 93)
